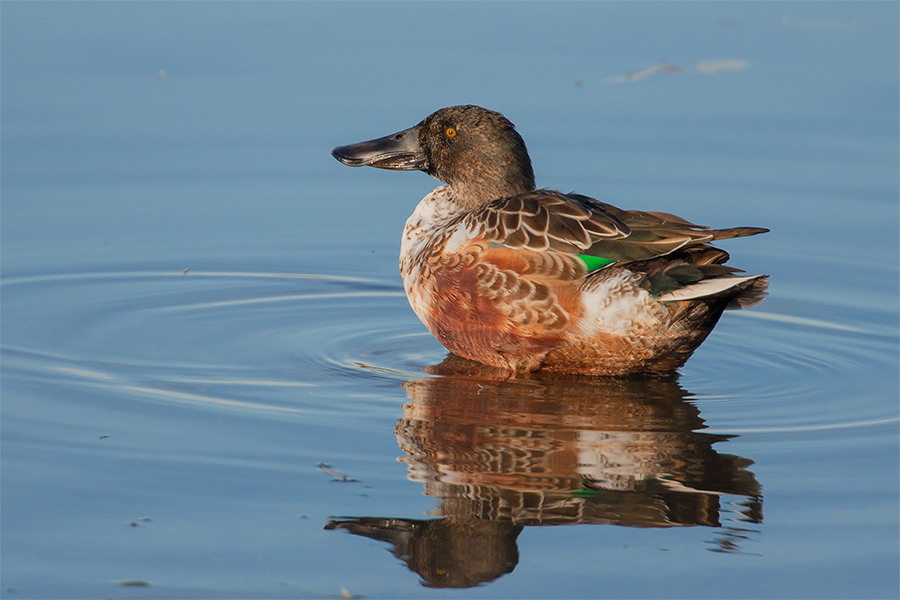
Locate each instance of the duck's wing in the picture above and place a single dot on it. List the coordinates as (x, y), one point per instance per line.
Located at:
(545, 220)
(548, 220)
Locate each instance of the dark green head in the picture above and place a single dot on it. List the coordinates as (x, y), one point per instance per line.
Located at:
(475, 150)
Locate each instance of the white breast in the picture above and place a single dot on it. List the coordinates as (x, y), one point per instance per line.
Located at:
(427, 232)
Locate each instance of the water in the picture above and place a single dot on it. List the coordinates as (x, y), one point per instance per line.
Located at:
(213, 386)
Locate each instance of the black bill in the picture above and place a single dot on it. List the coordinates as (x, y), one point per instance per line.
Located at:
(400, 152)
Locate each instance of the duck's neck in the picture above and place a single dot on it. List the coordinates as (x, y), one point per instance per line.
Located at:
(472, 192)
(495, 170)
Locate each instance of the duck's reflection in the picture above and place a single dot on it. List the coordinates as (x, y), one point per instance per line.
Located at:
(502, 454)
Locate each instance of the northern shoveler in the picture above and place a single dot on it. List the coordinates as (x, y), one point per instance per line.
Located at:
(529, 279)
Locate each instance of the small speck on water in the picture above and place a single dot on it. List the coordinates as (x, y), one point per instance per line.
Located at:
(338, 476)
(346, 595)
(134, 583)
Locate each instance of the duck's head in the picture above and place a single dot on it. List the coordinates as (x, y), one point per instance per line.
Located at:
(478, 152)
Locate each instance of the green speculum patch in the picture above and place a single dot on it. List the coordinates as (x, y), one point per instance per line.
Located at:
(595, 262)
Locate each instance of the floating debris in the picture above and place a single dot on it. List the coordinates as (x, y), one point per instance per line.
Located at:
(338, 476)
(346, 595)
(645, 73)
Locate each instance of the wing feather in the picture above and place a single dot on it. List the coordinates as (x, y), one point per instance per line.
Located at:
(576, 224)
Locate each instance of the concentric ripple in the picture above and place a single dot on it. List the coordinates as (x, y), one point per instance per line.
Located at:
(218, 339)
(298, 343)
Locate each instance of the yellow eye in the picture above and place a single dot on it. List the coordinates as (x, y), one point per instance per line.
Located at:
(450, 132)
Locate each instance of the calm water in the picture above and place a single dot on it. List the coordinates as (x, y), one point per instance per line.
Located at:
(213, 385)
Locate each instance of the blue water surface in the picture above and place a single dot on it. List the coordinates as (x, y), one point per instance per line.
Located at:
(212, 385)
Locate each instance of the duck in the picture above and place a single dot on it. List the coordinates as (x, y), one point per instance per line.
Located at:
(529, 280)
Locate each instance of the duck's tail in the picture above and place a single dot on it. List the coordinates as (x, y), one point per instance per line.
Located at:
(699, 272)
(736, 232)
(742, 292)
